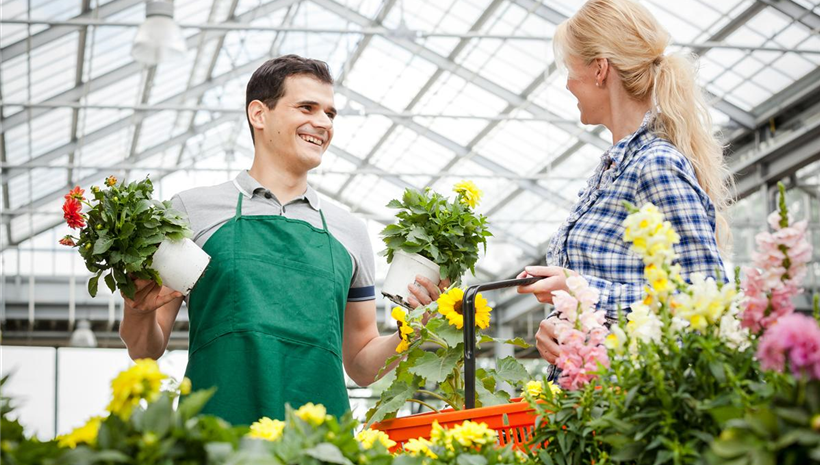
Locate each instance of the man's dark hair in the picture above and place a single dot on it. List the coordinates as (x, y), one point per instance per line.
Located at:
(268, 81)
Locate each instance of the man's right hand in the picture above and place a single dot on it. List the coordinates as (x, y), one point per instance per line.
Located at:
(546, 342)
(149, 297)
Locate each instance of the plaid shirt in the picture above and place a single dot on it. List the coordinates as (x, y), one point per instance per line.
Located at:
(640, 168)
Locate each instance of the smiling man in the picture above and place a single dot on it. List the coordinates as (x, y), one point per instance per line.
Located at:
(288, 298)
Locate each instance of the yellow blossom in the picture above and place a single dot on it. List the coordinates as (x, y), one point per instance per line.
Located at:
(554, 388)
(313, 414)
(406, 332)
(367, 437)
(267, 429)
(450, 306)
(141, 381)
(185, 386)
(534, 388)
(416, 447)
(469, 193)
(110, 181)
(86, 434)
(441, 436)
(470, 434)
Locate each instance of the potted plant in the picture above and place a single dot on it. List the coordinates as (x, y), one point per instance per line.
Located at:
(125, 234)
(434, 237)
(431, 378)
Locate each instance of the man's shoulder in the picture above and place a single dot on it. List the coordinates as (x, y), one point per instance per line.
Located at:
(209, 196)
(340, 218)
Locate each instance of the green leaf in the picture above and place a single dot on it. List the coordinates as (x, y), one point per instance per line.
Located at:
(471, 459)
(109, 281)
(518, 342)
(488, 398)
(390, 402)
(102, 244)
(142, 206)
(158, 416)
(451, 335)
(126, 230)
(192, 404)
(434, 368)
(511, 370)
(627, 453)
(328, 453)
(92, 285)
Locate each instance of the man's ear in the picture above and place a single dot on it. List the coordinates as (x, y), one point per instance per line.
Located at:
(257, 114)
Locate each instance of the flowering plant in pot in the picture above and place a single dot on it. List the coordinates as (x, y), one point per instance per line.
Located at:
(435, 378)
(434, 236)
(125, 234)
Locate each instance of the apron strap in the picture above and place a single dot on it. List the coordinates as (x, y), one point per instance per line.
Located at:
(238, 207)
(324, 223)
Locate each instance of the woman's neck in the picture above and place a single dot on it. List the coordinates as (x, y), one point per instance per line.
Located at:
(627, 116)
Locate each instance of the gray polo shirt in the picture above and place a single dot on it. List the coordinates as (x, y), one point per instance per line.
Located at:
(208, 208)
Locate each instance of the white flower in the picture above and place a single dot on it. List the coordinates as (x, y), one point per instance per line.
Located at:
(643, 324)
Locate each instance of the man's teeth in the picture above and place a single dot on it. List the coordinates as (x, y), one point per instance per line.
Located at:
(312, 140)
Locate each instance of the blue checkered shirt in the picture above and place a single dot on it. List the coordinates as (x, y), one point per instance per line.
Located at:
(640, 168)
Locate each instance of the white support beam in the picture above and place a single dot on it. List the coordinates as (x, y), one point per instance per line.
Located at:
(797, 13)
(128, 70)
(458, 70)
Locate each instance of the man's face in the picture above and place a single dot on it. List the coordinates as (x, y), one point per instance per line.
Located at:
(299, 128)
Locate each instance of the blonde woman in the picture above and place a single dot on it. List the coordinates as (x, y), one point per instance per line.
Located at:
(663, 152)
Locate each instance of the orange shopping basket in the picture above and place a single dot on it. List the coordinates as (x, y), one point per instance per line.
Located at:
(514, 422)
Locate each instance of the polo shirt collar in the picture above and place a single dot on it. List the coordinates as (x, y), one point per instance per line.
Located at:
(248, 186)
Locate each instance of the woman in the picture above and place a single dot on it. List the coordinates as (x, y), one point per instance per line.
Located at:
(663, 152)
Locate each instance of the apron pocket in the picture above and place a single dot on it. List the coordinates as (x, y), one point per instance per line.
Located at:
(288, 300)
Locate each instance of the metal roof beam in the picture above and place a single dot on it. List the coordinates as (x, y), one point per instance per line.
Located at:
(796, 12)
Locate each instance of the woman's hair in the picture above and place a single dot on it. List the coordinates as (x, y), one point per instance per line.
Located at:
(632, 40)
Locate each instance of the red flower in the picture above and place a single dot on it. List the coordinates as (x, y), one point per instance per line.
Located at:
(110, 181)
(76, 194)
(68, 240)
(72, 212)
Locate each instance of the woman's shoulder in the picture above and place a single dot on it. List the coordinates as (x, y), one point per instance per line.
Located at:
(658, 154)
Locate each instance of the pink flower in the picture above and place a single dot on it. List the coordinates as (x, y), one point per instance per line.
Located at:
(565, 304)
(795, 340)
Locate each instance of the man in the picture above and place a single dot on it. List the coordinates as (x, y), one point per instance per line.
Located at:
(288, 298)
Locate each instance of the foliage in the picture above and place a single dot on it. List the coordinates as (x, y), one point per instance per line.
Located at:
(469, 443)
(120, 232)
(438, 373)
(448, 233)
(15, 447)
(784, 432)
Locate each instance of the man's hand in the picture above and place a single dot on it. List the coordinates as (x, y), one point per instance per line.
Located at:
(555, 279)
(149, 297)
(424, 292)
(545, 340)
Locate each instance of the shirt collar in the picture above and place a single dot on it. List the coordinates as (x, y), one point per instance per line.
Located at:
(618, 152)
(249, 186)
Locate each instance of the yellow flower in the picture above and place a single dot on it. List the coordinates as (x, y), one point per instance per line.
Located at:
(450, 303)
(86, 434)
(470, 434)
(367, 437)
(553, 388)
(468, 192)
(110, 181)
(267, 429)
(441, 436)
(534, 388)
(416, 447)
(141, 381)
(405, 330)
(313, 414)
(185, 386)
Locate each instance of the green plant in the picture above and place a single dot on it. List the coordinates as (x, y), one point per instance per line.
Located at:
(448, 233)
(437, 376)
(15, 447)
(120, 232)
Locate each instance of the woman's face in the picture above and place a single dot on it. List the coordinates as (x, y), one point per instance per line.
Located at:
(593, 100)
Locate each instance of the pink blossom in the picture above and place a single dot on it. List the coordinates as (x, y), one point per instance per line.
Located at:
(794, 339)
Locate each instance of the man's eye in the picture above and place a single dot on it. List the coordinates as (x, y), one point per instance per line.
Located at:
(331, 116)
(306, 107)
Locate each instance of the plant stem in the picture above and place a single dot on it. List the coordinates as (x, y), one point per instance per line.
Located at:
(437, 396)
(424, 404)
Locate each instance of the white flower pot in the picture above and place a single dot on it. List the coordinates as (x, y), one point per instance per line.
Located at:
(402, 273)
(180, 264)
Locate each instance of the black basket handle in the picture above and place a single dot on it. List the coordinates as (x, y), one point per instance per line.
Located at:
(468, 311)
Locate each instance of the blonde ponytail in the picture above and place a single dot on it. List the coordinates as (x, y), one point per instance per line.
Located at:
(625, 33)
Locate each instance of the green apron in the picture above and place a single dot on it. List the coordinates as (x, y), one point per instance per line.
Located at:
(266, 318)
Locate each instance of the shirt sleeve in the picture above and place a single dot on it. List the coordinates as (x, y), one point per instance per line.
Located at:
(362, 284)
(615, 296)
(668, 181)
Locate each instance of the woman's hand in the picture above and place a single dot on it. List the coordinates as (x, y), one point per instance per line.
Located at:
(555, 279)
(546, 342)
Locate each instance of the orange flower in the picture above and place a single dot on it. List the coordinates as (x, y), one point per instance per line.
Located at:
(76, 194)
(72, 212)
(68, 240)
(110, 181)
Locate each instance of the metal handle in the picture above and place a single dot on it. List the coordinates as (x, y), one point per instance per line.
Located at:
(468, 311)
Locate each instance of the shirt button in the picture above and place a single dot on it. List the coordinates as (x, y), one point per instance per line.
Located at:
(268, 195)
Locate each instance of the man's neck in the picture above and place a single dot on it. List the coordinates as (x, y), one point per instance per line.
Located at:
(281, 181)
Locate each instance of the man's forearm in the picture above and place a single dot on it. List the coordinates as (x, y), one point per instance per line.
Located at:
(371, 359)
(142, 334)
